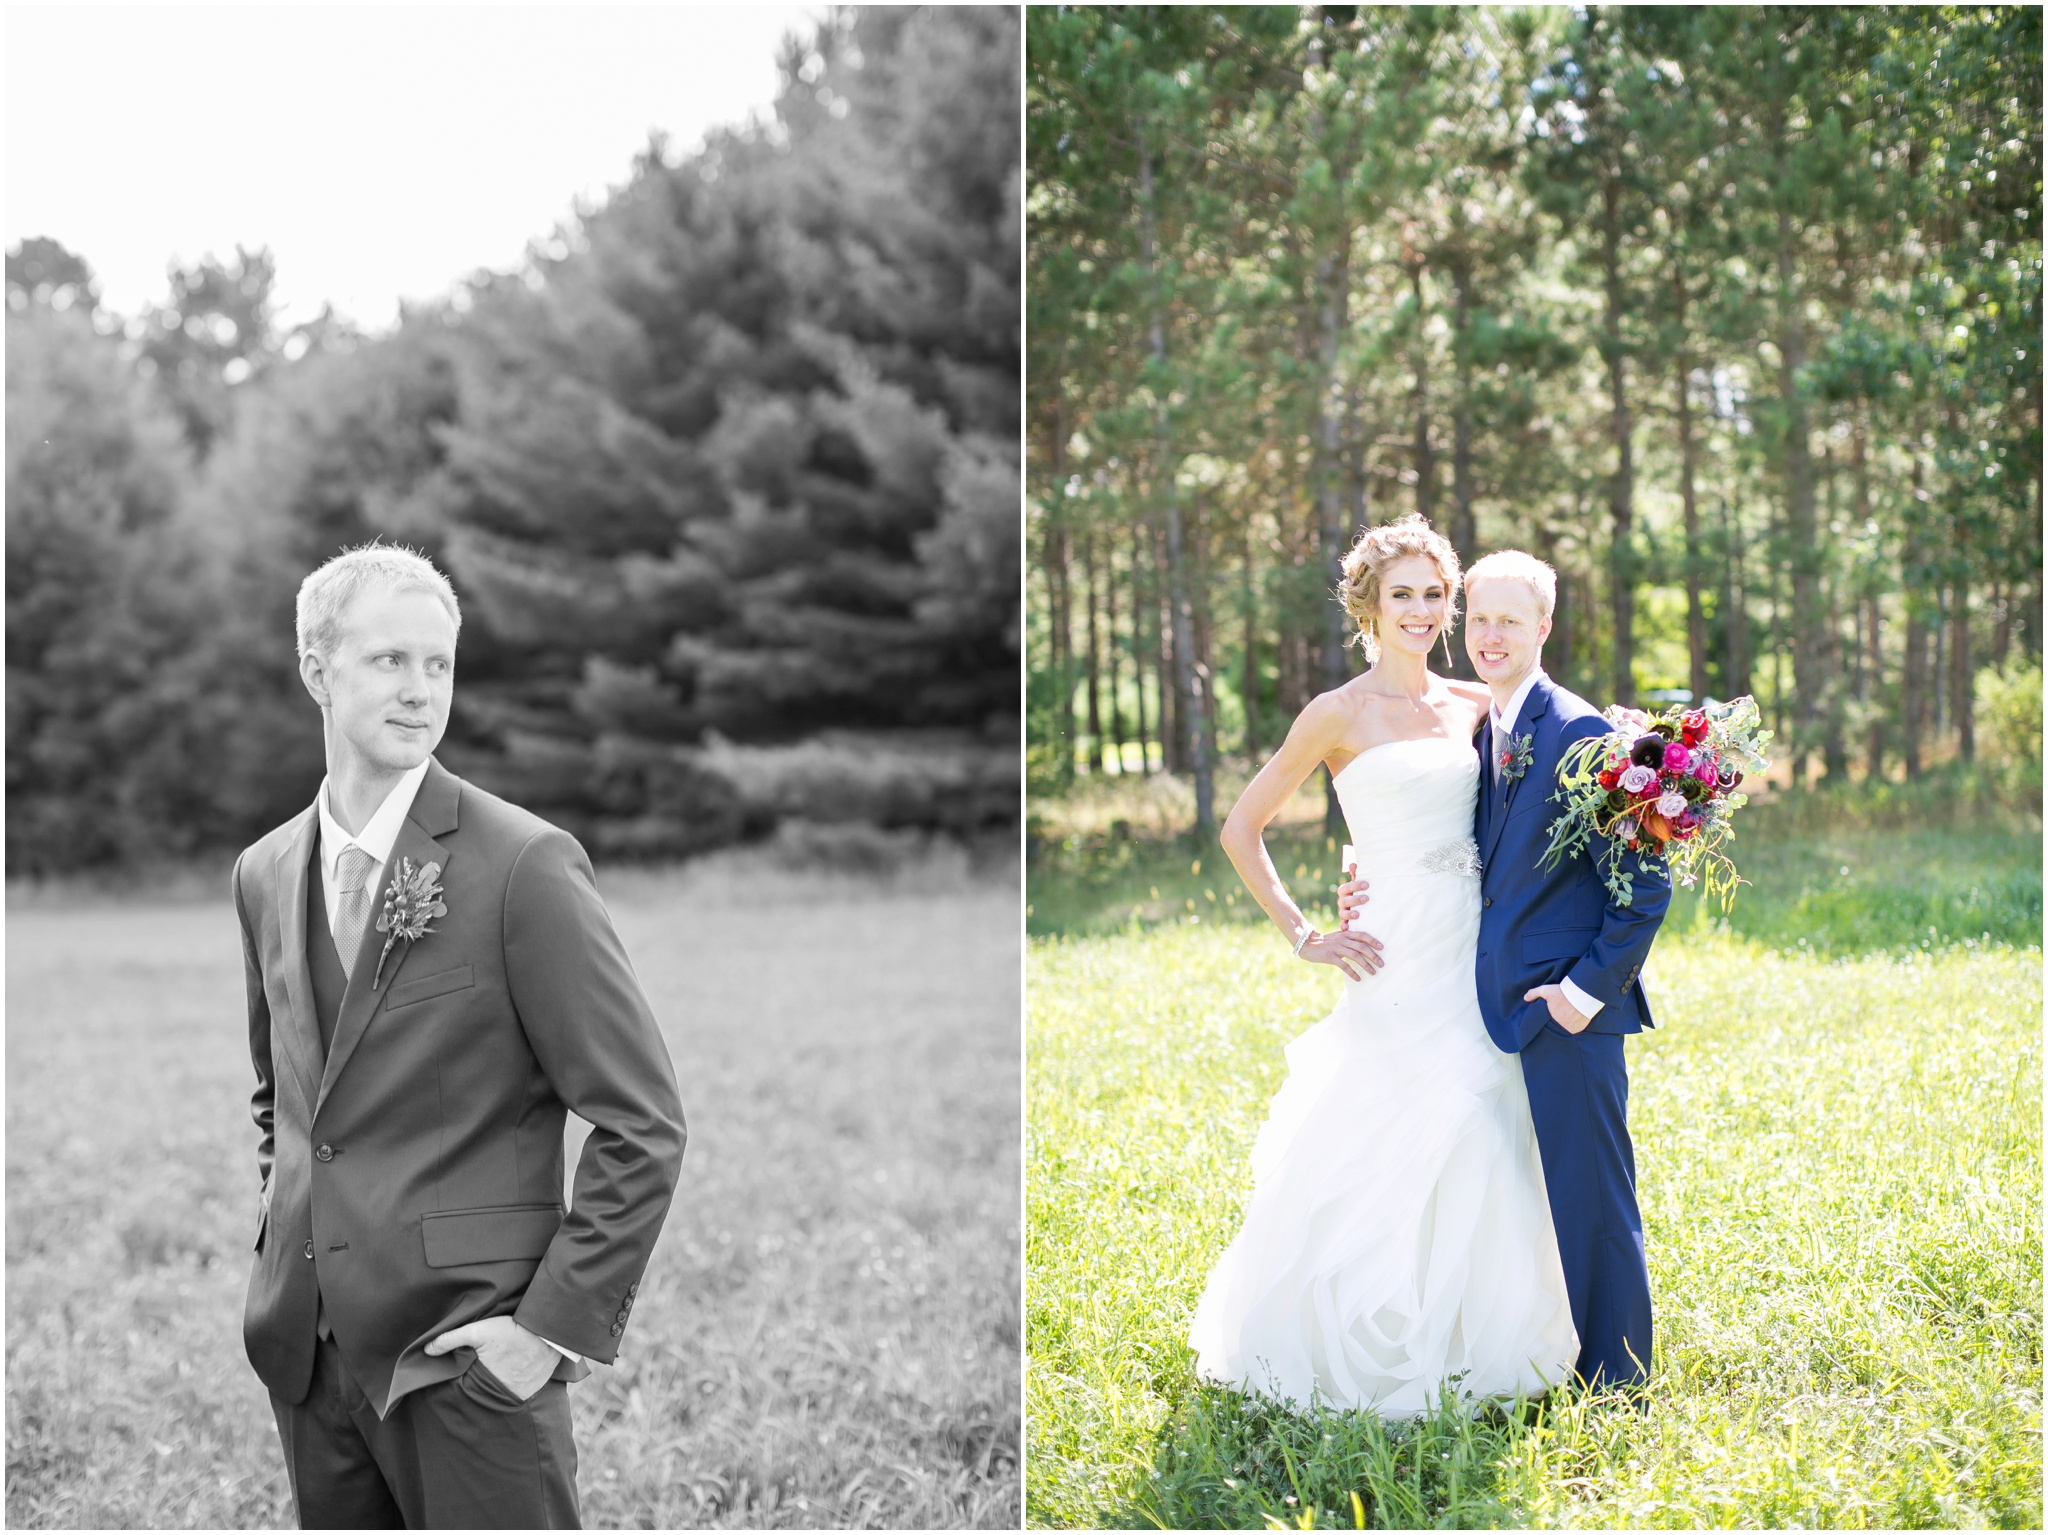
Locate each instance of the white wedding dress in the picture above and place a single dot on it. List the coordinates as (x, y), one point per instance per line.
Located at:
(1398, 1235)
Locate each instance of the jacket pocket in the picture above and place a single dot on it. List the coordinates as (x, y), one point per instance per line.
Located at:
(491, 1234)
(1560, 943)
(458, 979)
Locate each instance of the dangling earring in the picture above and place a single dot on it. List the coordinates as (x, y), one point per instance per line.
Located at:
(1449, 665)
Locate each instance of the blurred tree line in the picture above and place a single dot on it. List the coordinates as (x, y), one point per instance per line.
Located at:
(1730, 313)
(726, 478)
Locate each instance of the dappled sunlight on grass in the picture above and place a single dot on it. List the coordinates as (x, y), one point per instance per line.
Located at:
(1840, 1165)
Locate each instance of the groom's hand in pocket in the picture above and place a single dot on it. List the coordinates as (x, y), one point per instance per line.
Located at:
(524, 1361)
(1562, 1013)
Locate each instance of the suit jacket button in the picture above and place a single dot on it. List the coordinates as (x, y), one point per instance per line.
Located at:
(1489, 900)
(633, 1289)
(325, 1153)
(309, 1247)
(617, 1328)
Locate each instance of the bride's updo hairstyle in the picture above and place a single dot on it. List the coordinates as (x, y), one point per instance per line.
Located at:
(1376, 549)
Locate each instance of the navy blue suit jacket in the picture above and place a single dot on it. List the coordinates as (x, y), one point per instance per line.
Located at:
(1537, 928)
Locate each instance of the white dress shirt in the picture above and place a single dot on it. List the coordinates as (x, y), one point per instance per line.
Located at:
(377, 838)
(1504, 721)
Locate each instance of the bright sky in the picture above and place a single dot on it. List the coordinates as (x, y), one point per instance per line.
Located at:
(379, 151)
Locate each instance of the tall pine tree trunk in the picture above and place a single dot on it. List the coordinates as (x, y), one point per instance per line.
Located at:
(1096, 754)
(1056, 560)
(1961, 686)
(1735, 622)
(1695, 611)
(1834, 748)
(1110, 678)
(1062, 611)
(1172, 729)
(1333, 283)
(1425, 454)
(1248, 612)
(1937, 674)
(1621, 490)
(1140, 591)
(1870, 669)
(1464, 523)
(1187, 686)
(1913, 700)
(1204, 624)
(1809, 661)
(1558, 648)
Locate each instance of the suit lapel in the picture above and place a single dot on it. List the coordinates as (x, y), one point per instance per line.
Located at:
(302, 1025)
(1534, 707)
(433, 815)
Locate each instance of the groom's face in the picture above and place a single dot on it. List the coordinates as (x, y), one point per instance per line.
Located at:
(388, 682)
(1505, 627)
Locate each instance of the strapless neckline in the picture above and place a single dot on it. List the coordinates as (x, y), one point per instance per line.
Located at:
(1407, 741)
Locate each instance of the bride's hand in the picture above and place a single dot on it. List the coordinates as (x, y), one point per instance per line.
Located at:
(1348, 951)
(1351, 897)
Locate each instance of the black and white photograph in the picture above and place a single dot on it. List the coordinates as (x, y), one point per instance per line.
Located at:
(514, 767)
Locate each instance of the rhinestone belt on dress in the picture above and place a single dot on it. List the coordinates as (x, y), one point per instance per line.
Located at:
(1460, 857)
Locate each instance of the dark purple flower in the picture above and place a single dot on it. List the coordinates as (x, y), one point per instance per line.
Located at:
(1648, 751)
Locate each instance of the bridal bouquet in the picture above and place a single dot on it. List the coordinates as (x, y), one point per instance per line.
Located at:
(1664, 790)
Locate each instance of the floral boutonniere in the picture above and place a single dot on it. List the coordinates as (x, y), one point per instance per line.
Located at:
(1516, 757)
(411, 901)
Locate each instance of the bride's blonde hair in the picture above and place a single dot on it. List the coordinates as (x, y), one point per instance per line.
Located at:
(1376, 549)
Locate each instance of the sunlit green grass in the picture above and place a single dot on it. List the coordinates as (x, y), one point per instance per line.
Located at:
(1840, 1172)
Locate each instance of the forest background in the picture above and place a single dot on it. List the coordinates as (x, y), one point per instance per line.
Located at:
(1731, 313)
(725, 475)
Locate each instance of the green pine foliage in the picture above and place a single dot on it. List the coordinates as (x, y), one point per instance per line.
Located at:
(726, 477)
(1731, 313)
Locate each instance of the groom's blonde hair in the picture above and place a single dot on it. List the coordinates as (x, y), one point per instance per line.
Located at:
(1514, 565)
(324, 596)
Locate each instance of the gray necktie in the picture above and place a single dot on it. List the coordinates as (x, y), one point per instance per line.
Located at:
(352, 868)
(1493, 757)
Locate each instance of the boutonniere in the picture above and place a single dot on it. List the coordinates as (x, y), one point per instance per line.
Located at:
(1516, 757)
(411, 901)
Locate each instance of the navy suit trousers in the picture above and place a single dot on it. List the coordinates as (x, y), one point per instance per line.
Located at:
(1578, 1097)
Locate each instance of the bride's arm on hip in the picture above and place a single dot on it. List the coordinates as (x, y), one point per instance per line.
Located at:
(1317, 731)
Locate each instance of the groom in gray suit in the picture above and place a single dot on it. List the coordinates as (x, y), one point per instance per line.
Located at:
(433, 984)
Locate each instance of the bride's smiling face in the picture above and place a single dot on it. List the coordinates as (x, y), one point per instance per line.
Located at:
(1414, 600)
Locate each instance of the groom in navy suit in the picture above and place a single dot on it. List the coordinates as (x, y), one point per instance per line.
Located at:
(1560, 965)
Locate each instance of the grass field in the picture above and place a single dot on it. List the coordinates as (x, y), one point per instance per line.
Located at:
(1838, 1126)
(827, 1336)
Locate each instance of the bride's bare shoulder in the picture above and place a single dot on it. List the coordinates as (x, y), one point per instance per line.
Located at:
(1475, 698)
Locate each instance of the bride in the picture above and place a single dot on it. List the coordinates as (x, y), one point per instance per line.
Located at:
(1398, 1238)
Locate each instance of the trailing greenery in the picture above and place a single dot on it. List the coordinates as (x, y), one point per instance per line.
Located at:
(1840, 1179)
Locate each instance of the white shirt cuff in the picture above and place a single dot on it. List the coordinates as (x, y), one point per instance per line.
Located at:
(1590, 1006)
(565, 1353)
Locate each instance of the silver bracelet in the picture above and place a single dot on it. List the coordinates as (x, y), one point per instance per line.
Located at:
(1307, 934)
